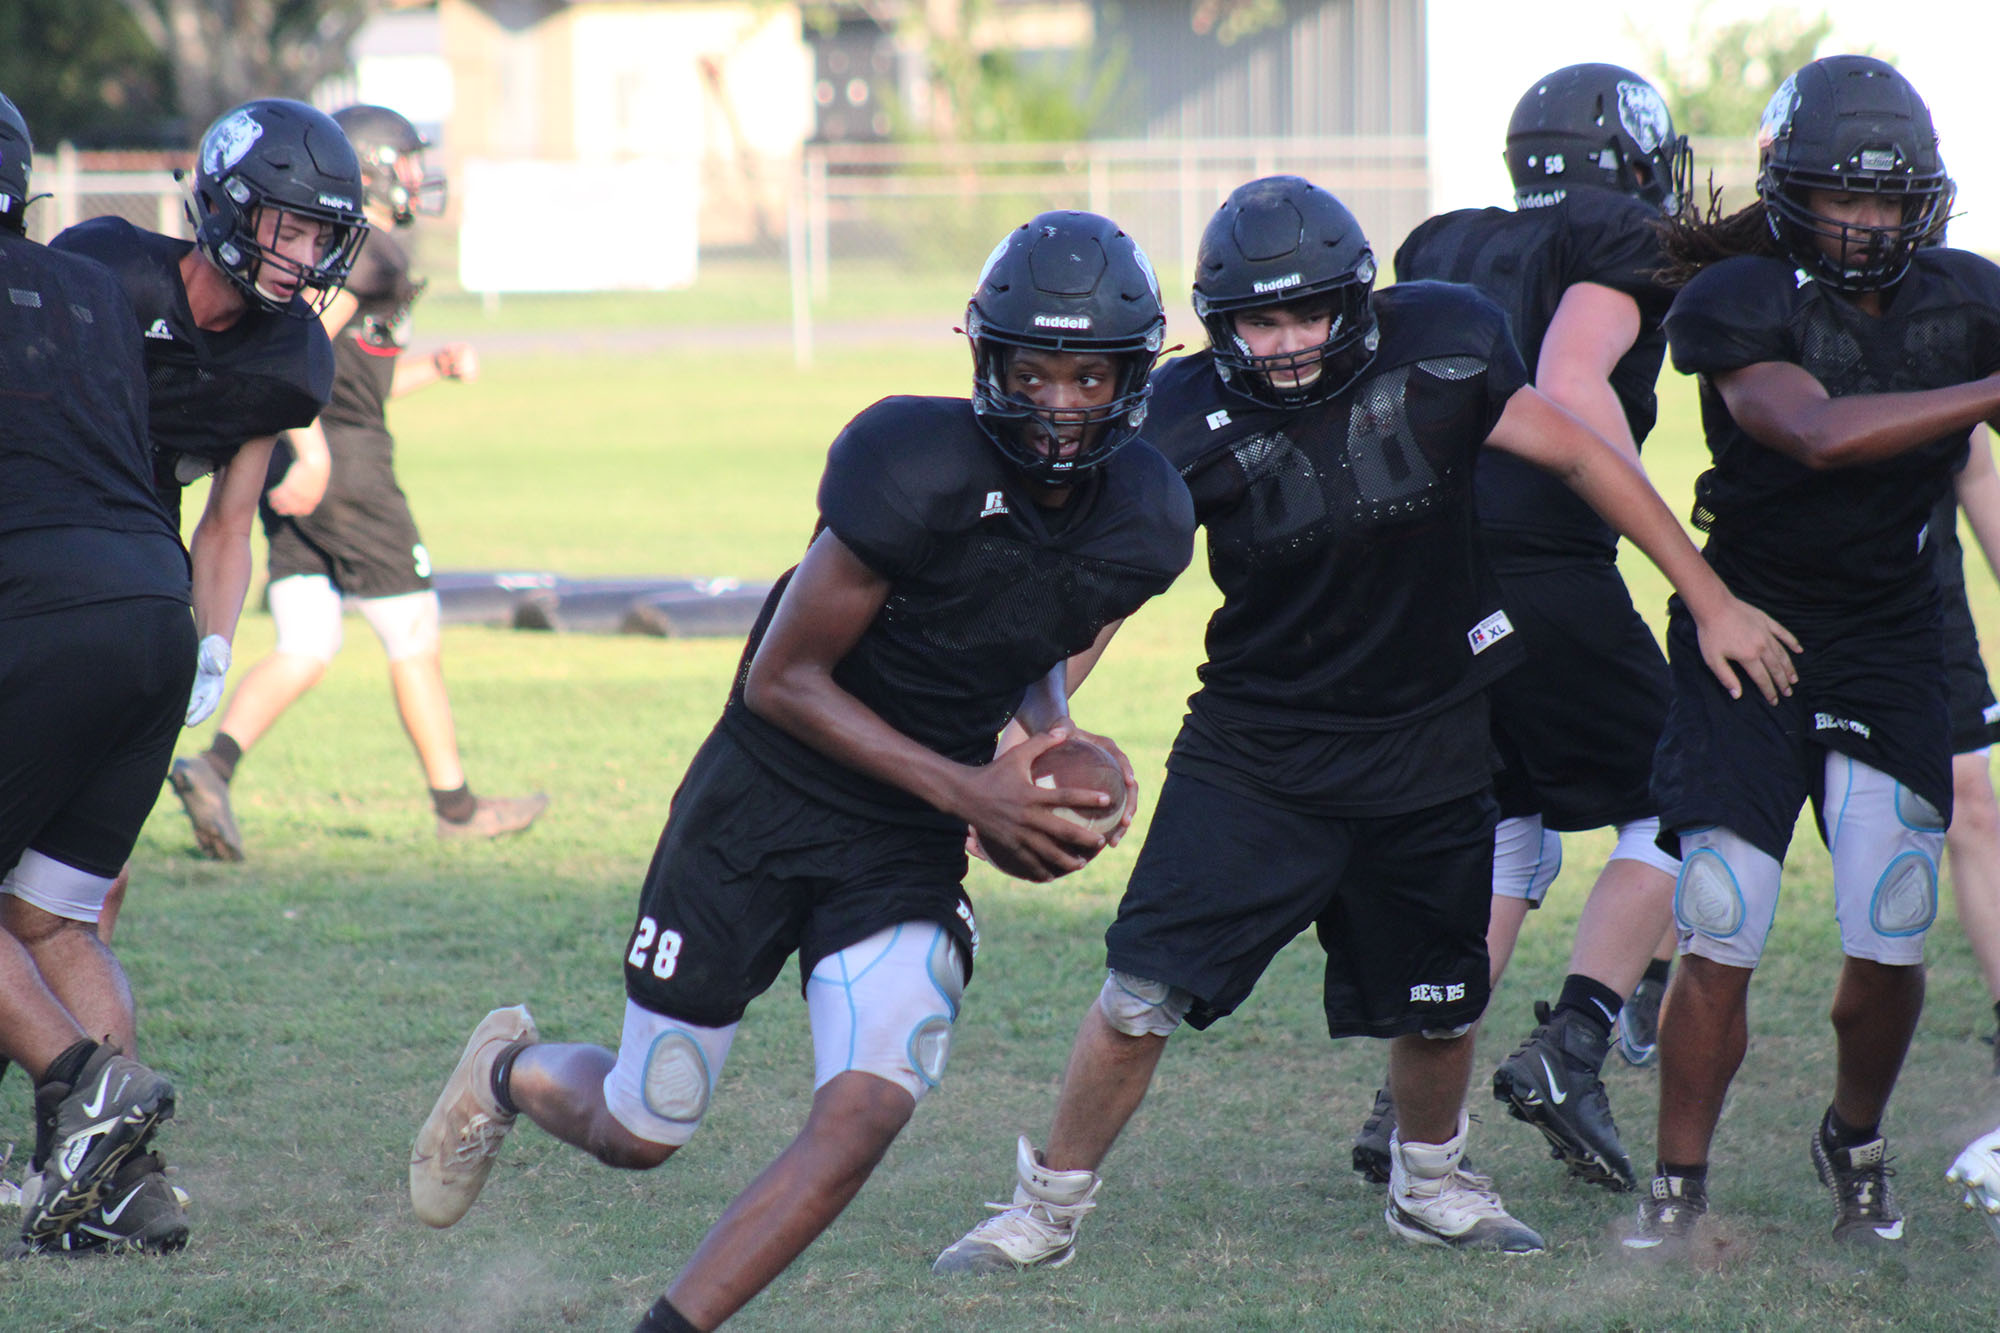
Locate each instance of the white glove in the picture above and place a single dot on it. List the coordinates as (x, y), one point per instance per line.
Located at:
(211, 664)
(1978, 1170)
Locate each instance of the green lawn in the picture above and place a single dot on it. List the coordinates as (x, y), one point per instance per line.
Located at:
(310, 1001)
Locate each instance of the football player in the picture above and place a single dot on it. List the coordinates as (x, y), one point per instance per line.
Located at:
(359, 541)
(966, 553)
(1596, 166)
(1334, 770)
(233, 355)
(97, 654)
(1831, 441)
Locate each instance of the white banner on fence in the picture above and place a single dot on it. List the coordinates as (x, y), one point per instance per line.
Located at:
(579, 227)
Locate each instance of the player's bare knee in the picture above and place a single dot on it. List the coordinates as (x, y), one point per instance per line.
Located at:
(1138, 1007)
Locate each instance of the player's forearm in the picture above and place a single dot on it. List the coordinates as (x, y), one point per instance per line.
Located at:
(805, 702)
(1826, 433)
(1045, 704)
(221, 578)
(1615, 487)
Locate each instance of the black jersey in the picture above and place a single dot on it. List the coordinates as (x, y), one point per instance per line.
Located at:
(79, 522)
(988, 591)
(1526, 260)
(1813, 546)
(365, 349)
(210, 392)
(1948, 555)
(1359, 622)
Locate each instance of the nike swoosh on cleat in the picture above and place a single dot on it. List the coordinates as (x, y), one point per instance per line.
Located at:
(95, 1105)
(1556, 1093)
(111, 1215)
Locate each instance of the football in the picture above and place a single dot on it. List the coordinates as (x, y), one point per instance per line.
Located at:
(1077, 762)
(1074, 763)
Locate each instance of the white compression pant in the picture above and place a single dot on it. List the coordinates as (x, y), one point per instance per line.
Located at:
(58, 889)
(884, 1007)
(1527, 857)
(306, 608)
(1885, 841)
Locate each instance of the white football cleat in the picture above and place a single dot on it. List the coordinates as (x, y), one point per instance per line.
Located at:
(1037, 1230)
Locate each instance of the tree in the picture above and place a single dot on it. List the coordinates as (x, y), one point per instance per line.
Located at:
(227, 51)
(1717, 81)
(81, 72)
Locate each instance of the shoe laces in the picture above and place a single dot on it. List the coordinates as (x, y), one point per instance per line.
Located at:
(1864, 1190)
(480, 1138)
(1036, 1215)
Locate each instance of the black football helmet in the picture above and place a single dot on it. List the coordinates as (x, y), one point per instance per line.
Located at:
(17, 156)
(1601, 127)
(393, 170)
(1284, 241)
(283, 155)
(1851, 124)
(1065, 282)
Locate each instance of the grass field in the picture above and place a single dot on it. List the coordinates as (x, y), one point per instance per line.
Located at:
(310, 1001)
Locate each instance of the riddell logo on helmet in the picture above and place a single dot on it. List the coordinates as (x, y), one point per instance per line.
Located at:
(1278, 284)
(1062, 321)
(336, 201)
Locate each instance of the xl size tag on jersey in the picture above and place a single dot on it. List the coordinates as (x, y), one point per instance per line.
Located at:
(1489, 632)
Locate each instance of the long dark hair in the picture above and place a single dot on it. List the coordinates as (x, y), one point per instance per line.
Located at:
(1696, 237)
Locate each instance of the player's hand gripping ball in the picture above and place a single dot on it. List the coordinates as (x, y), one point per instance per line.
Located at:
(1074, 762)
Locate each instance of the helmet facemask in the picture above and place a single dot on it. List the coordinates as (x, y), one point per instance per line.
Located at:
(248, 260)
(1029, 434)
(1314, 373)
(1847, 256)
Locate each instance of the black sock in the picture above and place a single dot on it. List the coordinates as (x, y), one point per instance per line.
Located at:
(454, 806)
(1596, 1002)
(224, 754)
(1837, 1133)
(664, 1318)
(68, 1067)
(1657, 971)
(503, 1069)
(1696, 1173)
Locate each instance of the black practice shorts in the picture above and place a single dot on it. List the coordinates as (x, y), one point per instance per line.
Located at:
(1975, 717)
(361, 536)
(1577, 724)
(91, 703)
(1401, 902)
(1749, 766)
(750, 870)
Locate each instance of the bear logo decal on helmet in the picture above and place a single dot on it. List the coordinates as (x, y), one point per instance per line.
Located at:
(229, 141)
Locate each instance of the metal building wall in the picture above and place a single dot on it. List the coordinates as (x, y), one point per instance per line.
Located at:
(1333, 67)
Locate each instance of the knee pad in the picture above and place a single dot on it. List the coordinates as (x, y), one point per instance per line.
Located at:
(1638, 840)
(306, 609)
(1886, 841)
(885, 1007)
(665, 1075)
(58, 889)
(1141, 1008)
(406, 624)
(1526, 858)
(1725, 896)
